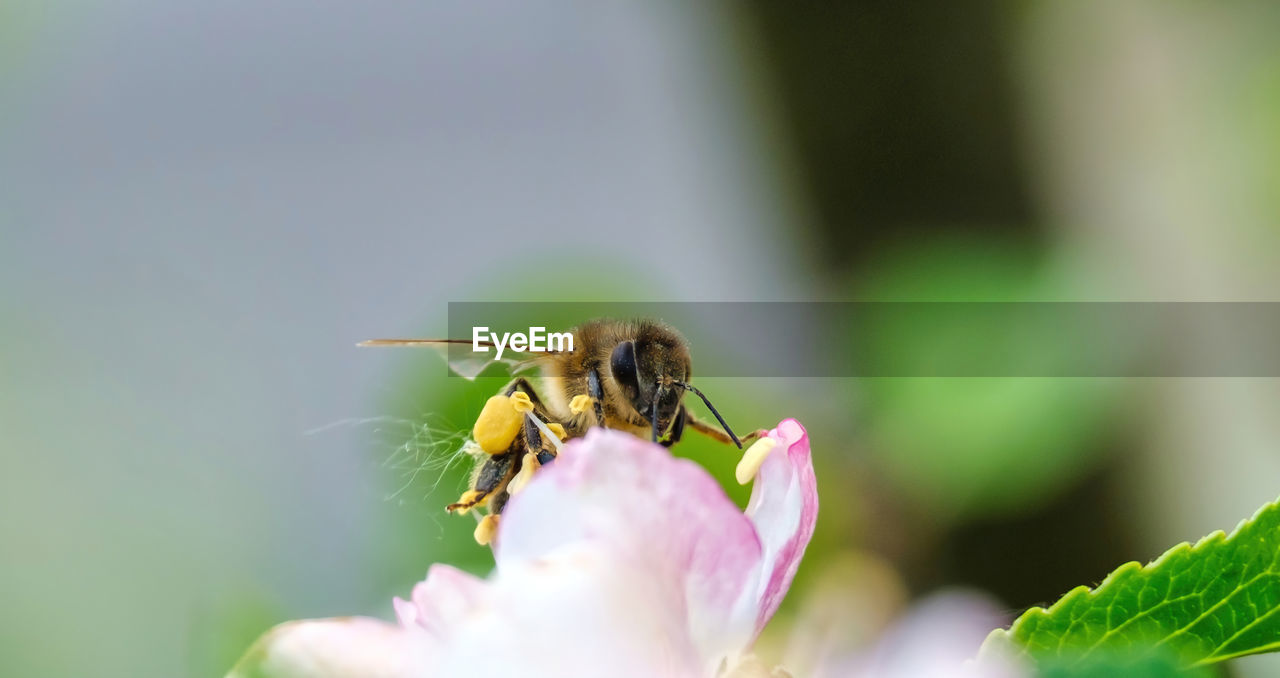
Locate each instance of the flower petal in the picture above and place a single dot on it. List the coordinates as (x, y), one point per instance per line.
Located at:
(664, 515)
(578, 612)
(348, 647)
(618, 560)
(567, 613)
(445, 595)
(783, 509)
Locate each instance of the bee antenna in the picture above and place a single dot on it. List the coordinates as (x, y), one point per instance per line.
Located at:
(725, 426)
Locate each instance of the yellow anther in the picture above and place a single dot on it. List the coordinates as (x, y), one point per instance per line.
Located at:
(580, 403)
(520, 401)
(753, 458)
(528, 467)
(557, 429)
(486, 530)
(497, 425)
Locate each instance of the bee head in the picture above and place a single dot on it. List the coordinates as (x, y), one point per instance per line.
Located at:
(647, 373)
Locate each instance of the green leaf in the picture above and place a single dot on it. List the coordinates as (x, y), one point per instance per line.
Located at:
(1205, 603)
(1106, 665)
(1155, 665)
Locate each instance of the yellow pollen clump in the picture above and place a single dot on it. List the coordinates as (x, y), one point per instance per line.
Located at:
(753, 458)
(557, 429)
(580, 403)
(486, 530)
(498, 424)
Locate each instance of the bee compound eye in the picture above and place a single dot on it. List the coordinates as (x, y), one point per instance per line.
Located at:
(623, 366)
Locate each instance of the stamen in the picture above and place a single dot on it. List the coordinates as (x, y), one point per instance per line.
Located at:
(486, 530)
(580, 403)
(529, 465)
(521, 402)
(753, 458)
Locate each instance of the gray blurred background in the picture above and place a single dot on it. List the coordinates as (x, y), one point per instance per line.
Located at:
(204, 206)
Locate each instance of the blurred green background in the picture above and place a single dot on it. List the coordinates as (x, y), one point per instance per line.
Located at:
(203, 208)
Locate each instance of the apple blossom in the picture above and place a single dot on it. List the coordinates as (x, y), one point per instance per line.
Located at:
(617, 560)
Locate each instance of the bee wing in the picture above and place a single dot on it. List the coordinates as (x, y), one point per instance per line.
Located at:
(466, 364)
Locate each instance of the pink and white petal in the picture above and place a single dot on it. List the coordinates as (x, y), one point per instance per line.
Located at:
(348, 647)
(783, 510)
(577, 612)
(445, 595)
(663, 515)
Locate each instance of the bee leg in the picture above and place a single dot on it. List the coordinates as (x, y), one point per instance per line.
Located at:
(533, 444)
(535, 457)
(496, 472)
(469, 500)
(713, 432)
(521, 384)
(596, 392)
(492, 476)
(677, 428)
(499, 502)
(532, 435)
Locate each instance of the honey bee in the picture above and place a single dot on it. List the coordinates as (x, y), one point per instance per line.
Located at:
(626, 375)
